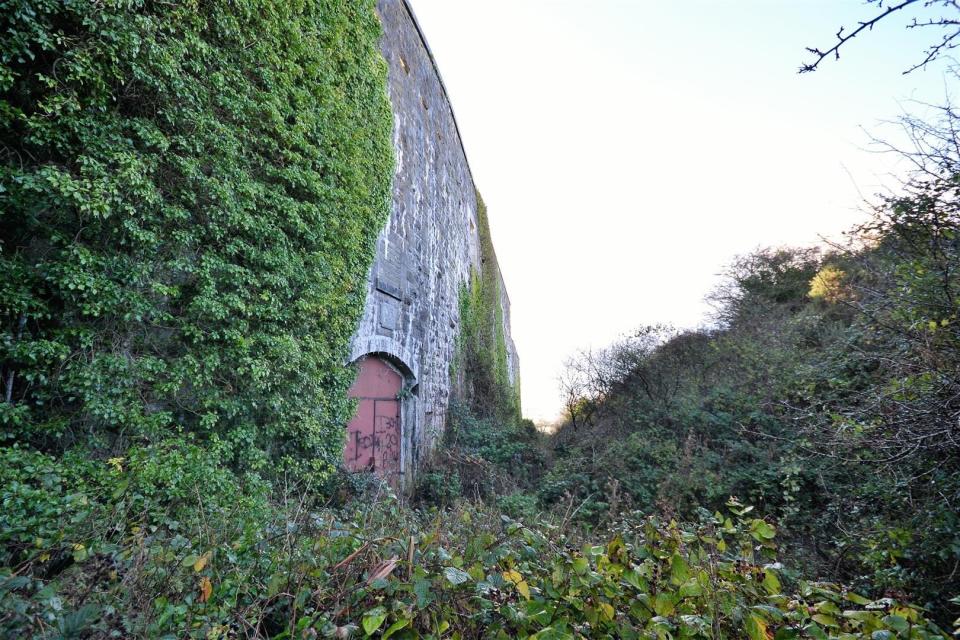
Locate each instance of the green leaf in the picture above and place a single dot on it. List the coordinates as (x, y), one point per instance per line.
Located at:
(476, 572)
(607, 610)
(80, 553)
(825, 620)
(690, 589)
(373, 619)
(679, 569)
(856, 598)
(755, 627)
(770, 581)
(455, 576)
(396, 626)
(664, 604)
(897, 623)
(761, 530)
(634, 580)
(421, 588)
(815, 632)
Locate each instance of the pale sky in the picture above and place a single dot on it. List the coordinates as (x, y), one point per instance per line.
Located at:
(627, 150)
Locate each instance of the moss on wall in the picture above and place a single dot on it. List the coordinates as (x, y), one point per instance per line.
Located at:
(482, 365)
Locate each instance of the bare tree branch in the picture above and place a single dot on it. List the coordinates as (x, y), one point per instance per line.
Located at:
(843, 39)
(949, 40)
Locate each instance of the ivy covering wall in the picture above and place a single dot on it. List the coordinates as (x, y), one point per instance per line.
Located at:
(482, 362)
(190, 194)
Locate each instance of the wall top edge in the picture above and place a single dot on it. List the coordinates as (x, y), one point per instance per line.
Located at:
(443, 86)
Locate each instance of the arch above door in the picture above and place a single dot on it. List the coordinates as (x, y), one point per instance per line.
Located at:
(394, 350)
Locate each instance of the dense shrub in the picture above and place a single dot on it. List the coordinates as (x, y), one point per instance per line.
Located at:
(482, 458)
(291, 569)
(826, 393)
(96, 545)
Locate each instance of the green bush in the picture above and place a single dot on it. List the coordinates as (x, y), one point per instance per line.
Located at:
(379, 569)
(438, 487)
(484, 456)
(521, 506)
(828, 412)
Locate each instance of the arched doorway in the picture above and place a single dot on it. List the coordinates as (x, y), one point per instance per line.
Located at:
(374, 435)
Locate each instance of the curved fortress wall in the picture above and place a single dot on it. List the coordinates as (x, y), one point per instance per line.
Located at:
(429, 246)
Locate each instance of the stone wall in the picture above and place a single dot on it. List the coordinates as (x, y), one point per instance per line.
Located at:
(513, 361)
(430, 244)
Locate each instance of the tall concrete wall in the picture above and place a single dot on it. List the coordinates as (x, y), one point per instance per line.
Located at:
(430, 244)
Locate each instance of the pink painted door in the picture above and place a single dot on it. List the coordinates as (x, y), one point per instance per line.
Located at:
(373, 436)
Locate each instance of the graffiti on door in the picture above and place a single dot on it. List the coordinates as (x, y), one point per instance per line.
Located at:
(373, 436)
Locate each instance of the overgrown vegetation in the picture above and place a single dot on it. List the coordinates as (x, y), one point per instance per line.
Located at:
(826, 393)
(481, 367)
(289, 569)
(189, 199)
(489, 452)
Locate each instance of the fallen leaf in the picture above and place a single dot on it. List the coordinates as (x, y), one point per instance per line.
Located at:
(202, 561)
(206, 589)
(350, 557)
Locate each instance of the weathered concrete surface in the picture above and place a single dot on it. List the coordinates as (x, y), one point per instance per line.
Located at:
(431, 242)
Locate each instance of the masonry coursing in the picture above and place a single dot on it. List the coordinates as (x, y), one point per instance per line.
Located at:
(430, 243)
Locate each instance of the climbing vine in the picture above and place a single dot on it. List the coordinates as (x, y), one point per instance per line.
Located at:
(482, 362)
(189, 198)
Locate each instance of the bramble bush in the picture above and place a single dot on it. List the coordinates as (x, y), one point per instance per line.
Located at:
(379, 569)
(825, 392)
